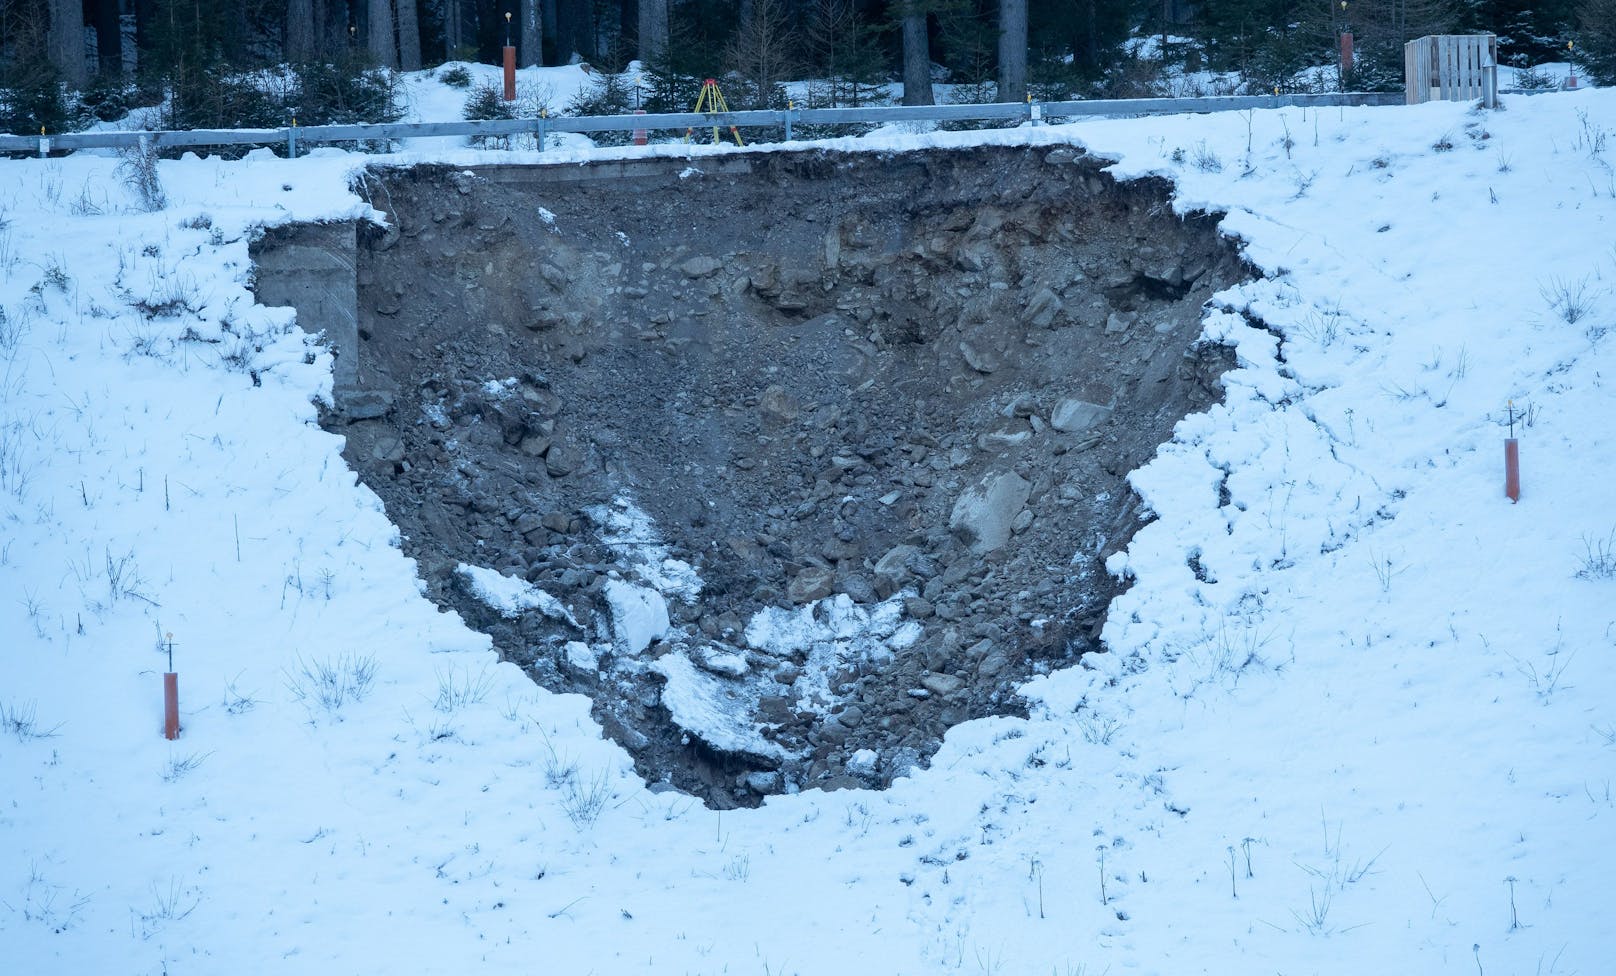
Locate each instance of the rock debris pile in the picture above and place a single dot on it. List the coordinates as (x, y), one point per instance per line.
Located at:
(788, 469)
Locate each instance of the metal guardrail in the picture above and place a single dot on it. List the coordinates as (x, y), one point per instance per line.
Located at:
(787, 120)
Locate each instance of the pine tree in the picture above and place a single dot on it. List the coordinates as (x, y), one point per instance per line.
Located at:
(1076, 42)
(1596, 40)
(668, 82)
(1381, 28)
(32, 95)
(760, 53)
(1529, 31)
(969, 43)
(825, 35)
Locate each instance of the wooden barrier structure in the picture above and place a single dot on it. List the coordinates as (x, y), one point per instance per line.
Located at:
(1452, 68)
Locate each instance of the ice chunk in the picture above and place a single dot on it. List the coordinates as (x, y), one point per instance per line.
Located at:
(639, 614)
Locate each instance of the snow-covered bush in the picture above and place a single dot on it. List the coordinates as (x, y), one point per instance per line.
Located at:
(455, 75)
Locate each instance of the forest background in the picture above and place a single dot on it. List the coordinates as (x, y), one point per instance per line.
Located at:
(66, 64)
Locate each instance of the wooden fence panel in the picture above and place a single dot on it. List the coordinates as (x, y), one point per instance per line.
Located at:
(1451, 68)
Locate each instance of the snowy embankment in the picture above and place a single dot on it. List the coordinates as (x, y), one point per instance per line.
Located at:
(1357, 714)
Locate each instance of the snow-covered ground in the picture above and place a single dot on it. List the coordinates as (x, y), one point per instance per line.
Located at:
(1358, 712)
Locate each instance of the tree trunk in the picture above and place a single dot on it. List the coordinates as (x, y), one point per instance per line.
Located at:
(916, 60)
(329, 37)
(145, 23)
(300, 30)
(108, 37)
(67, 41)
(409, 36)
(653, 31)
(1012, 50)
(531, 43)
(342, 27)
(574, 32)
(628, 28)
(381, 43)
(451, 28)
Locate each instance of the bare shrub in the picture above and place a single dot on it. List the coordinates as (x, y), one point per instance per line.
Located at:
(137, 166)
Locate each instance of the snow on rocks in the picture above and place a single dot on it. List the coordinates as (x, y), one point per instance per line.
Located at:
(581, 657)
(629, 530)
(511, 596)
(829, 637)
(717, 711)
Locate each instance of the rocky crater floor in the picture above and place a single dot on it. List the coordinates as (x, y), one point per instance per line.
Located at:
(791, 466)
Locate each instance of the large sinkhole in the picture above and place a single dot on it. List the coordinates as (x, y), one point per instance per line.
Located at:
(789, 461)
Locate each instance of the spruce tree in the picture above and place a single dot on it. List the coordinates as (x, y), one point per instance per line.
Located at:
(33, 96)
(1595, 52)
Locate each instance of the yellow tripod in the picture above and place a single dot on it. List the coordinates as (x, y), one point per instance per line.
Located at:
(712, 100)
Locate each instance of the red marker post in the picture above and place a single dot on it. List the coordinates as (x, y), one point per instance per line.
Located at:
(171, 696)
(1346, 49)
(1512, 460)
(510, 62)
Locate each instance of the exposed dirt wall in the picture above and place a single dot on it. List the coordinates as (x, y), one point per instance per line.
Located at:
(907, 387)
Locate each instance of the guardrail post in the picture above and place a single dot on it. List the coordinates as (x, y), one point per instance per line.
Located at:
(291, 140)
(44, 146)
(1035, 113)
(541, 131)
(791, 109)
